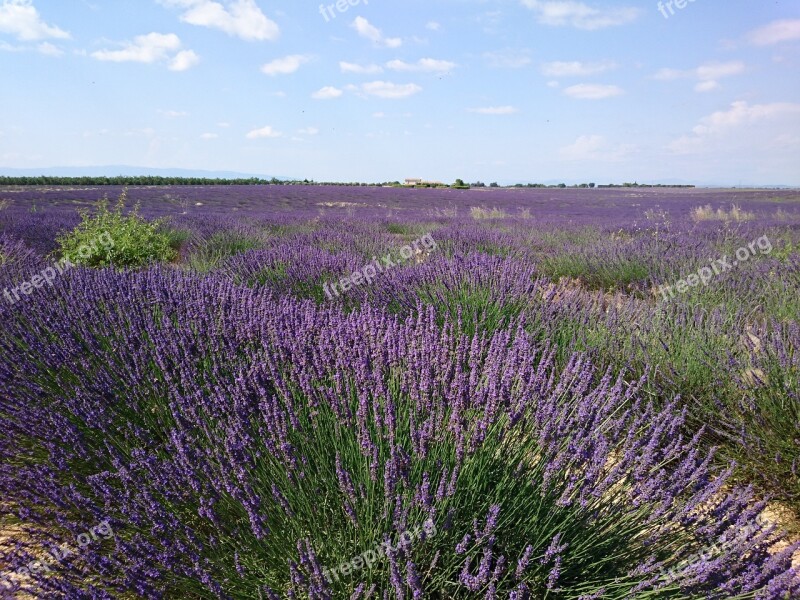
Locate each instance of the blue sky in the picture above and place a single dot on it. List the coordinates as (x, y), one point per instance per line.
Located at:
(496, 90)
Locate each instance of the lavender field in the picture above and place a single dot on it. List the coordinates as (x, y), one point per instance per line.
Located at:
(362, 392)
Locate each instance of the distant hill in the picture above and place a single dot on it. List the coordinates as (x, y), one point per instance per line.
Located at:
(127, 171)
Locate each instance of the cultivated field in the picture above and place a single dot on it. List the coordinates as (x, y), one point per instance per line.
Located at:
(356, 392)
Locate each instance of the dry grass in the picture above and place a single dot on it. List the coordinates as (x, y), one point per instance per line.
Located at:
(479, 213)
(735, 214)
(782, 215)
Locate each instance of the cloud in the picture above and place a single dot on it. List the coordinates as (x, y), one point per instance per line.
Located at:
(49, 49)
(580, 15)
(209, 136)
(327, 93)
(152, 48)
(594, 148)
(174, 114)
(706, 74)
(740, 116)
(357, 69)
(494, 110)
(585, 147)
(706, 86)
(423, 65)
(390, 91)
(184, 60)
(433, 26)
(375, 35)
(507, 59)
(576, 69)
(21, 19)
(308, 131)
(239, 18)
(592, 91)
(776, 32)
(263, 133)
(286, 65)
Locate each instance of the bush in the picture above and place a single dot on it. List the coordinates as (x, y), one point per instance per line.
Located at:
(109, 237)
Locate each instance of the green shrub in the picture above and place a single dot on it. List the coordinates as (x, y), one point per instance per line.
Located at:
(109, 237)
(221, 245)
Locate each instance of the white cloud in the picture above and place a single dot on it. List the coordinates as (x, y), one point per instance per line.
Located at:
(390, 91)
(580, 14)
(240, 18)
(669, 74)
(707, 74)
(776, 32)
(722, 125)
(184, 60)
(576, 69)
(152, 48)
(433, 26)
(21, 19)
(423, 65)
(174, 114)
(585, 147)
(264, 132)
(209, 136)
(286, 65)
(49, 49)
(6, 47)
(45, 48)
(308, 131)
(594, 148)
(327, 93)
(592, 91)
(706, 86)
(375, 35)
(507, 59)
(494, 110)
(357, 69)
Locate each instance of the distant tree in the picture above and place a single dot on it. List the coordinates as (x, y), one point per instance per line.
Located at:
(591, 185)
(562, 185)
(494, 184)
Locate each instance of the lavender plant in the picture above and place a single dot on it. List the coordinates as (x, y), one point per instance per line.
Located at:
(243, 444)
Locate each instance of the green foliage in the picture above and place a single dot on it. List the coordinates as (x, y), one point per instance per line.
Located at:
(598, 274)
(109, 237)
(218, 247)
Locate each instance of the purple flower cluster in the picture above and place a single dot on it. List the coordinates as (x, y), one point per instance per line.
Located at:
(236, 439)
